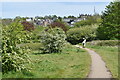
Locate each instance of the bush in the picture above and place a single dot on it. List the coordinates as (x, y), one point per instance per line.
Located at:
(59, 25)
(53, 40)
(105, 43)
(76, 35)
(89, 21)
(28, 26)
(13, 57)
(35, 35)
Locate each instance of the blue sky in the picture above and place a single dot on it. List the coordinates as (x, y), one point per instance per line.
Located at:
(32, 9)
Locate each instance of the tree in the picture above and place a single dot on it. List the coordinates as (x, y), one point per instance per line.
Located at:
(73, 17)
(60, 25)
(54, 16)
(109, 28)
(28, 26)
(6, 21)
(95, 19)
(60, 18)
(76, 35)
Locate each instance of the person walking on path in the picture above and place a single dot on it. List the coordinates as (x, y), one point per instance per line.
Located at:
(84, 42)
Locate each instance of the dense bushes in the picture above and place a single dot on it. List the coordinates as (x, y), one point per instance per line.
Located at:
(75, 35)
(95, 19)
(105, 43)
(59, 25)
(13, 57)
(28, 26)
(6, 21)
(53, 40)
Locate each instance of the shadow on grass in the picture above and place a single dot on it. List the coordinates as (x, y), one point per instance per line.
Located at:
(27, 73)
(38, 53)
(43, 53)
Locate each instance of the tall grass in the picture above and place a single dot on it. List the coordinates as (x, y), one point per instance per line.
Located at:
(71, 63)
(104, 43)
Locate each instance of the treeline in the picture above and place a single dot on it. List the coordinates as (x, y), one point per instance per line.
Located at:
(7, 21)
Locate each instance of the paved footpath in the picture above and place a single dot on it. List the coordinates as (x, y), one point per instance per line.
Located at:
(98, 67)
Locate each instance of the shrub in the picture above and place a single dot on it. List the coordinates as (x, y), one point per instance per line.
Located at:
(89, 21)
(13, 57)
(53, 40)
(35, 35)
(75, 35)
(6, 21)
(105, 43)
(28, 26)
(59, 25)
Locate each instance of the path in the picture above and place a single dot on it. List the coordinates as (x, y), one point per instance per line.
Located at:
(98, 67)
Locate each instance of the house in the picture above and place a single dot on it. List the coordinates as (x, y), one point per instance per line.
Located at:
(71, 21)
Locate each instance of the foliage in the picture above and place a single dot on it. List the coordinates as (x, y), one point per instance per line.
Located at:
(32, 46)
(59, 25)
(71, 63)
(105, 42)
(89, 21)
(76, 35)
(109, 28)
(13, 57)
(72, 17)
(53, 40)
(28, 26)
(6, 21)
(35, 34)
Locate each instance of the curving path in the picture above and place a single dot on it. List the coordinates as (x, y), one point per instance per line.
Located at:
(98, 67)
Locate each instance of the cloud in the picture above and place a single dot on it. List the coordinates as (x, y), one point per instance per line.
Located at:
(56, 0)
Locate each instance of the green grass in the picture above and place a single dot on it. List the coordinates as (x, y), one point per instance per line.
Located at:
(104, 42)
(110, 55)
(71, 63)
(32, 46)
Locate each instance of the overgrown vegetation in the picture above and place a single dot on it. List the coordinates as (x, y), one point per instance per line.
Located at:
(53, 40)
(105, 43)
(22, 41)
(72, 62)
(28, 26)
(59, 24)
(76, 35)
(13, 57)
(91, 20)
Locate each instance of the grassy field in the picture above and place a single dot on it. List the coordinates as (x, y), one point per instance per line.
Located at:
(71, 63)
(110, 55)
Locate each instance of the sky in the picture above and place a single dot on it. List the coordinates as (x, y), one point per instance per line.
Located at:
(11, 9)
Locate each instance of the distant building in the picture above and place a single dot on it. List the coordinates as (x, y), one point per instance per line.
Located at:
(71, 21)
(47, 21)
(28, 20)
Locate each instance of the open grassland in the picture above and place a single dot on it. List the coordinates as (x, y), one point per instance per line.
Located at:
(110, 55)
(71, 63)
